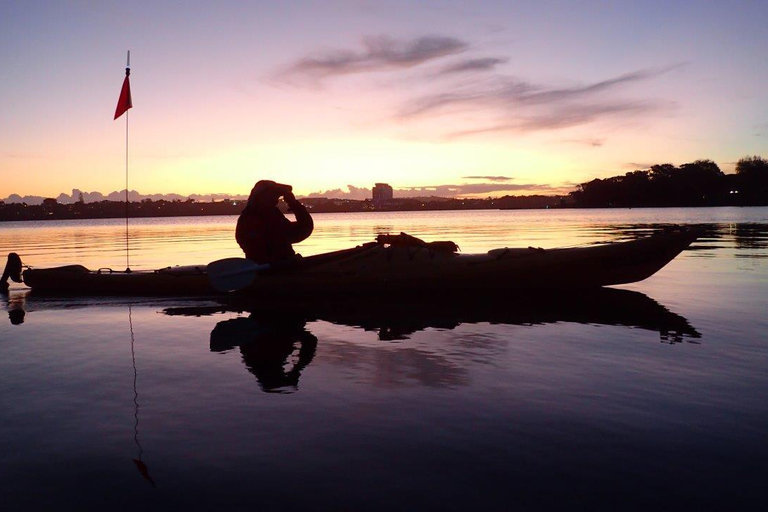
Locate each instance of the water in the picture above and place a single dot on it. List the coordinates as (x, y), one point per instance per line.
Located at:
(651, 395)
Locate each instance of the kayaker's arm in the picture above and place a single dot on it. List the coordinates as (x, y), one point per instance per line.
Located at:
(302, 228)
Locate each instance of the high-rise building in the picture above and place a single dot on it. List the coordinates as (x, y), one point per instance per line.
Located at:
(382, 193)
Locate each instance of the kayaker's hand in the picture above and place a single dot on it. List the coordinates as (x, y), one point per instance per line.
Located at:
(290, 200)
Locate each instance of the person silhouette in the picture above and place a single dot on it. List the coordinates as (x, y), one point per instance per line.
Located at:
(263, 233)
(12, 271)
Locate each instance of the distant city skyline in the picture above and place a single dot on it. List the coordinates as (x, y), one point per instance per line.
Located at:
(349, 192)
(445, 97)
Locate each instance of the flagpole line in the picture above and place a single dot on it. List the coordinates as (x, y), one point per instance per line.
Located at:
(124, 103)
(127, 247)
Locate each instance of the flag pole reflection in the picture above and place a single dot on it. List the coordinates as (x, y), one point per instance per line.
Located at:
(138, 461)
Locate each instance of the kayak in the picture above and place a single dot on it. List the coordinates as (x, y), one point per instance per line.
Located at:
(393, 265)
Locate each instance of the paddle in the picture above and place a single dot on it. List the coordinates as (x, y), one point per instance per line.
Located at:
(232, 274)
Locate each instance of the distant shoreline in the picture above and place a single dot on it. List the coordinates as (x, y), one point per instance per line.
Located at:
(163, 209)
(53, 210)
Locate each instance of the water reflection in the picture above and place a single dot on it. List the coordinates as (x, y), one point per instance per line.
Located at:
(276, 346)
(139, 460)
(15, 305)
(750, 240)
(751, 237)
(399, 320)
(745, 240)
(267, 344)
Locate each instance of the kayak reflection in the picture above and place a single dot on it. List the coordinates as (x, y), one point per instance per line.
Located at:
(397, 320)
(276, 346)
(604, 306)
(266, 344)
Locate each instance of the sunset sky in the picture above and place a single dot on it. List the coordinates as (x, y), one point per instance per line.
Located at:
(486, 98)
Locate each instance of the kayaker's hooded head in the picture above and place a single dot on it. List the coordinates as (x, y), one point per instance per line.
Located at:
(265, 195)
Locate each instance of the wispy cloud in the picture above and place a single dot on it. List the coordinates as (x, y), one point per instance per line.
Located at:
(471, 65)
(556, 95)
(593, 142)
(378, 53)
(462, 190)
(487, 178)
(119, 196)
(473, 87)
(474, 189)
(511, 104)
(565, 116)
(635, 166)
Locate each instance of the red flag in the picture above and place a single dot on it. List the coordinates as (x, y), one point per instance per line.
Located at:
(124, 103)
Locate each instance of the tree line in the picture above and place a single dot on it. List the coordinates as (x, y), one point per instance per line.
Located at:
(51, 209)
(699, 183)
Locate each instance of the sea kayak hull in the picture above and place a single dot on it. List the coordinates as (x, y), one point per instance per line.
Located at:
(395, 270)
(78, 280)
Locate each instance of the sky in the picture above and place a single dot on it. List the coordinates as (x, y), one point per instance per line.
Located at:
(479, 99)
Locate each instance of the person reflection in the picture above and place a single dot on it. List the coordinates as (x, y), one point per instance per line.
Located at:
(267, 345)
(16, 315)
(16, 308)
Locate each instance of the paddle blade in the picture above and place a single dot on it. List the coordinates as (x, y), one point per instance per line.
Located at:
(232, 274)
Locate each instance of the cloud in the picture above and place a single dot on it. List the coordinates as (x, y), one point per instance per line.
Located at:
(471, 65)
(488, 101)
(379, 53)
(119, 196)
(463, 190)
(512, 104)
(487, 178)
(475, 189)
(513, 93)
(352, 192)
(565, 117)
(556, 95)
(595, 143)
(637, 166)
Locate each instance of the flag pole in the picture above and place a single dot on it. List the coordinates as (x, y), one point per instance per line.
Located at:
(127, 249)
(125, 103)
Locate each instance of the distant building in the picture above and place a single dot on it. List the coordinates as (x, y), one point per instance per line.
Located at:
(382, 193)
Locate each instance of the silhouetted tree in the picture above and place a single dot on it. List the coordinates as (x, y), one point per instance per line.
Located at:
(702, 182)
(752, 166)
(698, 183)
(752, 180)
(667, 187)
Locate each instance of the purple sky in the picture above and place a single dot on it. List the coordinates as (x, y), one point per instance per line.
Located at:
(328, 95)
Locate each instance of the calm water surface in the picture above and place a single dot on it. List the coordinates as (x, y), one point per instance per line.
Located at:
(651, 395)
